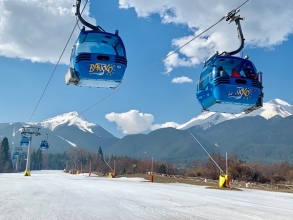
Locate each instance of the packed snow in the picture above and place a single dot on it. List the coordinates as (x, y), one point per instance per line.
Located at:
(58, 195)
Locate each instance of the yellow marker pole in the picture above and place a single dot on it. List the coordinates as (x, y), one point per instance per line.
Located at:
(27, 171)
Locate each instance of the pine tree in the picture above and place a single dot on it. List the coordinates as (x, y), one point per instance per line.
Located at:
(5, 161)
(162, 169)
(101, 152)
(33, 160)
(5, 149)
(39, 158)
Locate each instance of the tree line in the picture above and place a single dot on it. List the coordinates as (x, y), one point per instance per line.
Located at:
(242, 171)
(237, 169)
(95, 161)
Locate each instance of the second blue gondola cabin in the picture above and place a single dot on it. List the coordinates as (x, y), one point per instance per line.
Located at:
(230, 85)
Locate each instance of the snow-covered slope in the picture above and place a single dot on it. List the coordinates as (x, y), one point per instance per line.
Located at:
(70, 119)
(272, 108)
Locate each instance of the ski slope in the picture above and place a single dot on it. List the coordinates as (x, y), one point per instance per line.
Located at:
(58, 195)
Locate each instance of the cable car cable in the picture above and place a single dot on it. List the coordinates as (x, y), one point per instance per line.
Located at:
(154, 65)
(84, 22)
(235, 92)
(127, 83)
(56, 66)
(95, 53)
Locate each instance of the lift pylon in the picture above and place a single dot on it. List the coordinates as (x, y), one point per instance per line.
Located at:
(29, 131)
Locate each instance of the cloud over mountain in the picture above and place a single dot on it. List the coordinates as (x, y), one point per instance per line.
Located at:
(134, 122)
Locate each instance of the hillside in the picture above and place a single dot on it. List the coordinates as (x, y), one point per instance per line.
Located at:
(253, 138)
(64, 131)
(263, 136)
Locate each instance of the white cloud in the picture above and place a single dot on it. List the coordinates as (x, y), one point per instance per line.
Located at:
(131, 122)
(38, 30)
(182, 79)
(134, 122)
(267, 24)
(165, 125)
(173, 60)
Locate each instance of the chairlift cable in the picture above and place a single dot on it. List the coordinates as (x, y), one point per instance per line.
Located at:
(56, 66)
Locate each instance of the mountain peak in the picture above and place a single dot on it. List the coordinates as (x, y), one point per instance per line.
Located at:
(207, 119)
(270, 109)
(70, 114)
(70, 118)
(273, 108)
(278, 102)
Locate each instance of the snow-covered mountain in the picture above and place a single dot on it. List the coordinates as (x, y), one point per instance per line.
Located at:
(270, 109)
(63, 131)
(70, 130)
(206, 120)
(69, 119)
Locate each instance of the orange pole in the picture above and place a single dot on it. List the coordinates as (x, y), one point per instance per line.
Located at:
(151, 177)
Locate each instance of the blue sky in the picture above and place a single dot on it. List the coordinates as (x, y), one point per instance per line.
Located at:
(33, 34)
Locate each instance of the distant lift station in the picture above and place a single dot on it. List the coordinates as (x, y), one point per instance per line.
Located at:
(230, 84)
(98, 58)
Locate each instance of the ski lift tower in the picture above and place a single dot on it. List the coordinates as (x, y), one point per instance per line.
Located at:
(29, 131)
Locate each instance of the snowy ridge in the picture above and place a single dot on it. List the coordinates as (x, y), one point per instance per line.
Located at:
(270, 109)
(206, 120)
(71, 118)
(273, 108)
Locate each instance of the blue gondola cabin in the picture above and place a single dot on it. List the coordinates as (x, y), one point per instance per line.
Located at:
(229, 84)
(24, 142)
(98, 59)
(44, 145)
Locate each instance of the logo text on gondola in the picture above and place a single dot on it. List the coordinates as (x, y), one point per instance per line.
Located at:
(241, 92)
(101, 69)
